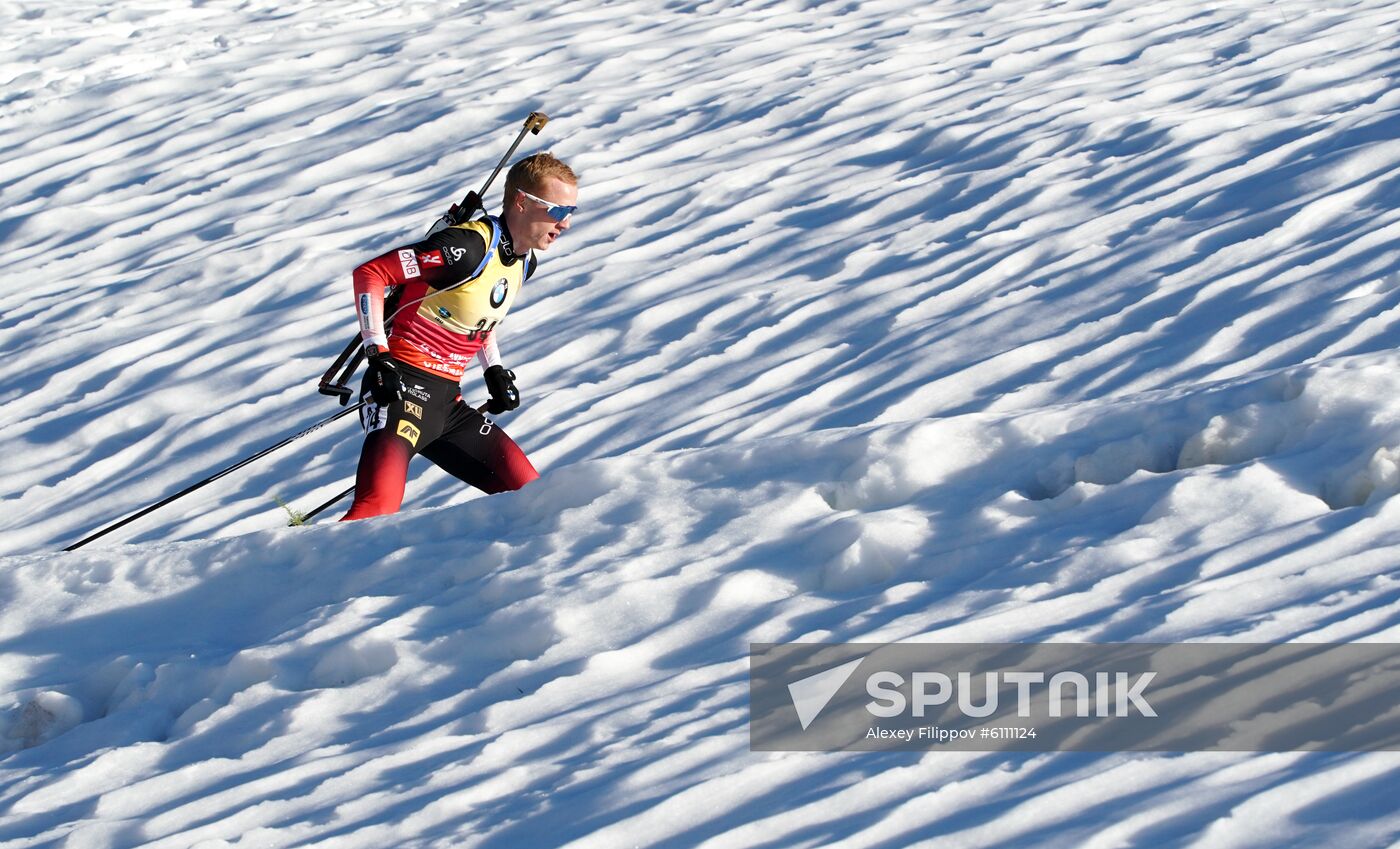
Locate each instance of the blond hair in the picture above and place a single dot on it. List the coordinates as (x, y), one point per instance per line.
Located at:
(530, 173)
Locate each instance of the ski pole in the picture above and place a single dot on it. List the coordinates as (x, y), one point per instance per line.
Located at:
(187, 490)
(353, 355)
(309, 516)
(329, 385)
(340, 387)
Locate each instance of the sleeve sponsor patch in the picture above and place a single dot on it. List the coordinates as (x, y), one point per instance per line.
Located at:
(409, 261)
(430, 258)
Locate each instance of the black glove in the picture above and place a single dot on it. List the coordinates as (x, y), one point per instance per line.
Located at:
(385, 382)
(500, 382)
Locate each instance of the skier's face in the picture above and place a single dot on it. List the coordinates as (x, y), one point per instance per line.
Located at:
(532, 226)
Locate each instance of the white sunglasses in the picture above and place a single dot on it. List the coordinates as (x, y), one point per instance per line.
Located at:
(558, 211)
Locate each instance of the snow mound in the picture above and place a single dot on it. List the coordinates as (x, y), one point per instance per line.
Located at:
(418, 662)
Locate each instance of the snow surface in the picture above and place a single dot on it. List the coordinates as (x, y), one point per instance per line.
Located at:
(954, 320)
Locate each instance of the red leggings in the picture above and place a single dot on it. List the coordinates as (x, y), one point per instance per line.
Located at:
(433, 421)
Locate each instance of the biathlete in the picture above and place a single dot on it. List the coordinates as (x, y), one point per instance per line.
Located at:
(456, 287)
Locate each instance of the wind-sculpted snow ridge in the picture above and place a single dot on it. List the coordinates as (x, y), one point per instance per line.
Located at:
(567, 665)
(794, 218)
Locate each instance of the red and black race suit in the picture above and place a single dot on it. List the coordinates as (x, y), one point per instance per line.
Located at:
(444, 314)
(431, 420)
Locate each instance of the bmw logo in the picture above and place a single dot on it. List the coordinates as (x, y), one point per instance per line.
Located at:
(498, 293)
(443, 311)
